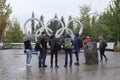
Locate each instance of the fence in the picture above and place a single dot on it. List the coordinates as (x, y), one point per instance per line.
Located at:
(110, 45)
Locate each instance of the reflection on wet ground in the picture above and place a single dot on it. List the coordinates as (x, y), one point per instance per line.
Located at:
(13, 67)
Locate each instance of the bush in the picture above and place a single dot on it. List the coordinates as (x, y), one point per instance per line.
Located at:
(117, 48)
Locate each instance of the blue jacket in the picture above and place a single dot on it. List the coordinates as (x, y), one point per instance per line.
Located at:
(76, 40)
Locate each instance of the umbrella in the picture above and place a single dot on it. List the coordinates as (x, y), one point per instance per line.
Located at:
(28, 37)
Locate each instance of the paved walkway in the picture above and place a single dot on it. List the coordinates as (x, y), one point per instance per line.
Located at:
(13, 67)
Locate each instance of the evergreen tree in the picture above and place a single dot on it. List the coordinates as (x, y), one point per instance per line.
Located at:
(63, 21)
(39, 25)
(14, 33)
(111, 18)
(85, 19)
(42, 20)
(71, 26)
(33, 24)
(93, 26)
(54, 24)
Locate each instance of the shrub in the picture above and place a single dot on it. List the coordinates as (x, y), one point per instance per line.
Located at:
(117, 48)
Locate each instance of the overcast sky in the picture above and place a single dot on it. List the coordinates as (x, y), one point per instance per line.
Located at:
(22, 9)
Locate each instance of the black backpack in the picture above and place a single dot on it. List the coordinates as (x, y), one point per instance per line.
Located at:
(80, 43)
(104, 44)
(37, 46)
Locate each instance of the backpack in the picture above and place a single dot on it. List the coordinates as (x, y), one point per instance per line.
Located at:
(37, 46)
(104, 44)
(67, 44)
(80, 43)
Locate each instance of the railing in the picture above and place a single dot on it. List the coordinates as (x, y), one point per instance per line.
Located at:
(13, 45)
(21, 45)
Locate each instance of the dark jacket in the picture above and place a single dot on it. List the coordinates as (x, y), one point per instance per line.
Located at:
(76, 42)
(43, 42)
(52, 42)
(103, 44)
(27, 45)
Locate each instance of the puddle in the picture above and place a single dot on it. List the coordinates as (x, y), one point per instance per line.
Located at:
(22, 69)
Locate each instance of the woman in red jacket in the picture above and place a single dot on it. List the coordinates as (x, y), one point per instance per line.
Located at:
(86, 41)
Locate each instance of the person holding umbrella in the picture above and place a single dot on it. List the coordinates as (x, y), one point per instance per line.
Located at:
(28, 48)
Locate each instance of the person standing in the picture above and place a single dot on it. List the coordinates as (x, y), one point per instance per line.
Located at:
(53, 43)
(77, 47)
(68, 42)
(28, 48)
(102, 46)
(43, 50)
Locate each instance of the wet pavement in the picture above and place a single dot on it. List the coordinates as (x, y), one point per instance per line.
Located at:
(13, 67)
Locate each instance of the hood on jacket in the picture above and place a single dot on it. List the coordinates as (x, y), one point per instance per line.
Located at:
(53, 36)
(68, 36)
(77, 35)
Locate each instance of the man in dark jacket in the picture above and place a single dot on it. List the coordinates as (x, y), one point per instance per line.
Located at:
(43, 50)
(53, 43)
(77, 47)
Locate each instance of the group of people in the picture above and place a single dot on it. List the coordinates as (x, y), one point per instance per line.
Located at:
(55, 44)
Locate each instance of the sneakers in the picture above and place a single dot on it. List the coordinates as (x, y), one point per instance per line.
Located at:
(106, 60)
(65, 66)
(28, 65)
(44, 65)
(57, 66)
(77, 63)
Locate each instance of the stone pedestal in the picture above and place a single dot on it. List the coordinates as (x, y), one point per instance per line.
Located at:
(91, 53)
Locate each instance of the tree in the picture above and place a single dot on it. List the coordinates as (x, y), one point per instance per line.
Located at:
(93, 25)
(33, 24)
(42, 20)
(39, 24)
(14, 33)
(63, 21)
(71, 24)
(85, 19)
(54, 25)
(112, 17)
(5, 11)
(98, 28)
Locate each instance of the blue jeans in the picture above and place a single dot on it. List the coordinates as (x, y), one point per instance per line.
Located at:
(68, 52)
(28, 57)
(77, 56)
(42, 56)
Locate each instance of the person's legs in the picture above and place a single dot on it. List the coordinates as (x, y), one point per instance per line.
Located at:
(40, 58)
(52, 58)
(70, 53)
(44, 57)
(66, 58)
(77, 58)
(56, 59)
(28, 57)
(101, 55)
(104, 55)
